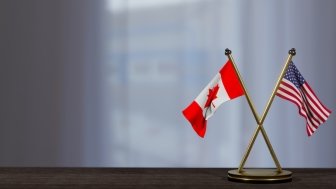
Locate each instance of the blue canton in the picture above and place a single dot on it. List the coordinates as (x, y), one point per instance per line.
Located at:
(293, 75)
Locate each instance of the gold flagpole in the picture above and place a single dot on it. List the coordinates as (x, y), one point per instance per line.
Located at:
(291, 53)
(228, 53)
(255, 114)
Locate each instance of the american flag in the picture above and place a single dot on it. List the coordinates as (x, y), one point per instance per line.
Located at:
(294, 88)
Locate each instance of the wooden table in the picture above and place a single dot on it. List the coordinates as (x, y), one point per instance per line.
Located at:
(151, 178)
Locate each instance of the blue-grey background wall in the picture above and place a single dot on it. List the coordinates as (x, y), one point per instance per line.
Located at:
(103, 83)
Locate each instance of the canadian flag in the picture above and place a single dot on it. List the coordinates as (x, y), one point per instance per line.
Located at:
(223, 87)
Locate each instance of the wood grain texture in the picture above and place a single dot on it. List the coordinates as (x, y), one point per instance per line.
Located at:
(151, 178)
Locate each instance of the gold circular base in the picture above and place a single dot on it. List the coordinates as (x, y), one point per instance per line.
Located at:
(260, 176)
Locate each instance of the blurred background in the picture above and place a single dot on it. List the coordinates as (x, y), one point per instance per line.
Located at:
(103, 83)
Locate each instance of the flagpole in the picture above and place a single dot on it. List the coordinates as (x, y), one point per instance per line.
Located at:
(291, 53)
(228, 53)
(249, 101)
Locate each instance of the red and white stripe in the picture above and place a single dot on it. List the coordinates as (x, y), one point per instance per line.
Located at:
(308, 104)
(229, 88)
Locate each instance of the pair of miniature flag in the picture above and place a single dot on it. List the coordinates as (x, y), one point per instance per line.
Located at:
(226, 86)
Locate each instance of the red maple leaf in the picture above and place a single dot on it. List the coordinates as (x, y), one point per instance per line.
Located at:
(211, 96)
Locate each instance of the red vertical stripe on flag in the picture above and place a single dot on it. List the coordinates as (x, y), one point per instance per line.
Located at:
(194, 114)
(230, 80)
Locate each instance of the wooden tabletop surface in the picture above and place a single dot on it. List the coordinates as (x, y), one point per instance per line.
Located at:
(151, 178)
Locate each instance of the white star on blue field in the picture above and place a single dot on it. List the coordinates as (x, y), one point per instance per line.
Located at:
(294, 76)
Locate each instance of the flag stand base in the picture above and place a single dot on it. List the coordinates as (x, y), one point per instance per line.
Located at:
(260, 176)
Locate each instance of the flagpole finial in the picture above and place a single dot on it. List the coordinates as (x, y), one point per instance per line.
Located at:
(292, 52)
(227, 51)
